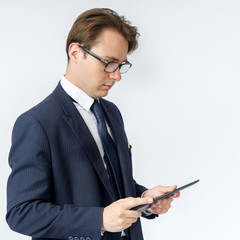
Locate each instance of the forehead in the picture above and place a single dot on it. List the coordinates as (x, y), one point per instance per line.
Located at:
(111, 43)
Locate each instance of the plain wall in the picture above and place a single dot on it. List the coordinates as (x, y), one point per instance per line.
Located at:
(180, 101)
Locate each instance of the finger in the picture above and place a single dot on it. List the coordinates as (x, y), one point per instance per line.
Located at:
(166, 188)
(131, 220)
(152, 210)
(133, 214)
(130, 202)
(168, 200)
(158, 210)
(170, 188)
(163, 206)
(176, 195)
(164, 201)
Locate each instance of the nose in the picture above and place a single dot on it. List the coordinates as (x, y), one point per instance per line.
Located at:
(116, 76)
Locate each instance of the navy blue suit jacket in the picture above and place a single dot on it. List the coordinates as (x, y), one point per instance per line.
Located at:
(58, 186)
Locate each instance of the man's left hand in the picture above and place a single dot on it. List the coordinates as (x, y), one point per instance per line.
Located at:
(163, 205)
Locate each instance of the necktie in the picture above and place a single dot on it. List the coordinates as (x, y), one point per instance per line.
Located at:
(110, 151)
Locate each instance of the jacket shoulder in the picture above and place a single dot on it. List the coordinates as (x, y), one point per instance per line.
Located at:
(44, 109)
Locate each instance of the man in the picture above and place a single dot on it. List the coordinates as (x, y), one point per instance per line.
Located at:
(71, 161)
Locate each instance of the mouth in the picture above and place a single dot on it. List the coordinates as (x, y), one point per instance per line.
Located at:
(108, 86)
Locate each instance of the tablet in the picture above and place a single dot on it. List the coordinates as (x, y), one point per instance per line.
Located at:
(143, 207)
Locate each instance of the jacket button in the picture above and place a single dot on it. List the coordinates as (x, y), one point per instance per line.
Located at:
(70, 238)
(82, 238)
(88, 238)
(76, 238)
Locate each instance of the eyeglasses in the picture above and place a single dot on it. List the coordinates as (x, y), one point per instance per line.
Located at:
(110, 67)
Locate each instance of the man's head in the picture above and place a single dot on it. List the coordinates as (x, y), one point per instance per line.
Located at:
(90, 24)
(97, 48)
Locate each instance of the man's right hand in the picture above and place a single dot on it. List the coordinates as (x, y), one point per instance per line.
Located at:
(118, 216)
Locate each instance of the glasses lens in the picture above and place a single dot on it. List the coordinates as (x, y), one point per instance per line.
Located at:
(111, 67)
(125, 67)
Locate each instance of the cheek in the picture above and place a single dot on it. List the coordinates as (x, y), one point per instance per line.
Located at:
(99, 76)
(94, 73)
(95, 80)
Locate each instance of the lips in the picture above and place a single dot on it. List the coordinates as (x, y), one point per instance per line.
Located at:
(108, 85)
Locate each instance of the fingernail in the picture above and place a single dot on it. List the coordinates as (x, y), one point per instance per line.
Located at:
(150, 200)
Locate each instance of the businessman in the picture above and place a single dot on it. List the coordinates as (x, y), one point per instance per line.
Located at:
(71, 162)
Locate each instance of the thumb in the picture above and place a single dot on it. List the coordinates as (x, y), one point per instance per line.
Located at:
(168, 189)
(173, 187)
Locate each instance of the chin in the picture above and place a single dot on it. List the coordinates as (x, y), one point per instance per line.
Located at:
(103, 94)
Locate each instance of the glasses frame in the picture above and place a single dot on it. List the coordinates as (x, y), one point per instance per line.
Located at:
(106, 62)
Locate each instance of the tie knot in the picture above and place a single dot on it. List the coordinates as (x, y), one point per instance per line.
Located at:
(97, 109)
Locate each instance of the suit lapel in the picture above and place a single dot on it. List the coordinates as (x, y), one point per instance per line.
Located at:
(75, 121)
(122, 147)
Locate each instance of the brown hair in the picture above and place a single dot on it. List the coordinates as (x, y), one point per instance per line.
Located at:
(89, 25)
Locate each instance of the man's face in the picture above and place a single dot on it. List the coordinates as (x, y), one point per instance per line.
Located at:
(91, 77)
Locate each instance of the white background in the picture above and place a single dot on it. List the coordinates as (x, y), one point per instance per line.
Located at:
(180, 101)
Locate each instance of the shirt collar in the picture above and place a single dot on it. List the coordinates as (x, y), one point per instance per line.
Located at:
(77, 94)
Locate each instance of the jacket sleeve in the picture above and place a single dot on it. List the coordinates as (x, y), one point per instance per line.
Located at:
(30, 207)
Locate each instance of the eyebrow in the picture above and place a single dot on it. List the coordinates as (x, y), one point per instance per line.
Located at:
(113, 59)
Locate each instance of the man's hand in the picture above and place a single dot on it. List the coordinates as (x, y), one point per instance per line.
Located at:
(118, 216)
(163, 205)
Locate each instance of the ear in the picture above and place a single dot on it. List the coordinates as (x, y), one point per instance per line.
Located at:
(73, 52)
